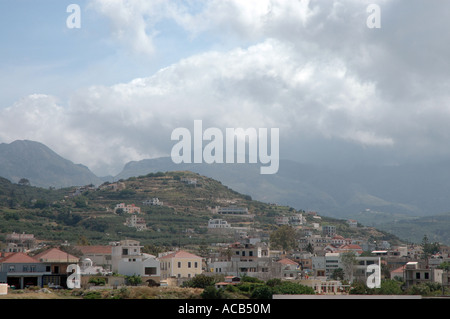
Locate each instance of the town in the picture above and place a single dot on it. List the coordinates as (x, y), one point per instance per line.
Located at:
(328, 263)
(228, 246)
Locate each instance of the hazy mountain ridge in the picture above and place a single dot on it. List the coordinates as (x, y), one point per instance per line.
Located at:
(41, 166)
(409, 190)
(381, 196)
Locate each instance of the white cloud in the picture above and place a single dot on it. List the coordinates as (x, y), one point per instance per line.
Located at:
(313, 69)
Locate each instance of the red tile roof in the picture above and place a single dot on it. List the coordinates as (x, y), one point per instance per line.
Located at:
(96, 249)
(287, 261)
(4, 255)
(56, 256)
(398, 270)
(19, 258)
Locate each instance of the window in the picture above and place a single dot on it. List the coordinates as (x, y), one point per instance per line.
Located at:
(150, 270)
(189, 264)
(25, 268)
(33, 268)
(179, 264)
(12, 268)
(196, 264)
(427, 275)
(417, 275)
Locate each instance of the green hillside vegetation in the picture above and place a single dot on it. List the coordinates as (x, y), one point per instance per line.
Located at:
(413, 229)
(89, 218)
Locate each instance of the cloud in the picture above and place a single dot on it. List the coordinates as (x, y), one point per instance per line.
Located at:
(311, 68)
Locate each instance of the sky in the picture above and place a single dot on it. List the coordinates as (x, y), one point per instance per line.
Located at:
(339, 89)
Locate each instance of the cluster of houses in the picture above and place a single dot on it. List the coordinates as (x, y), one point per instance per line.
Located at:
(134, 220)
(318, 267)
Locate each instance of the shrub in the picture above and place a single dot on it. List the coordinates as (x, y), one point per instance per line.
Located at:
(200, 281)
(92, 295)
(292, 288)
(263, 292)
(212, 292)
(97, 281)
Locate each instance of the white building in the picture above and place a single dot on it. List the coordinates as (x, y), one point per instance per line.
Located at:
(129, 249)
(136, 222)
(129, 209)
(144, 265)
(232, 210)
(152, 202)
(218, 223)
(88, 268)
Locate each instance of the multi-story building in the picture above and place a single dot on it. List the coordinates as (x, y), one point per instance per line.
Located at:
(20, 270)
(317, 242)
(253, 260)
(232, 210)
(129, 209)
(152, 202)
(56, 262)
(143, 265)
(124, 249)
(329, 230)
(218, 224)
(414, 274)
(136, 222)
(180, 264)
(19, 242)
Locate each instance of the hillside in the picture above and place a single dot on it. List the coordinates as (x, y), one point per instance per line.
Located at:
(397, 190)
(436, 227)
(373, 195)
(88, 214)
(41, 166)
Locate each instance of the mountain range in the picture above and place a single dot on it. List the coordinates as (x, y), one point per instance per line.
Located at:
(42, 167)
(373, 194)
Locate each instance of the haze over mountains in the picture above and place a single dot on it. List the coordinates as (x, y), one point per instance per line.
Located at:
(399, 191)
(41, 166)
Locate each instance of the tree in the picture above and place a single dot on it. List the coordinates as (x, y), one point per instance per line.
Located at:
(97, 281)
(390, 287)
(429, 248)
(83, 241)
(24, 182)
(445, 265)
(200, 281)
(284, 238)
(310, 248)
(263, 292)
(292, 288)
(212, 292)
(348, 262)
(338, 274)
(134, 280)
